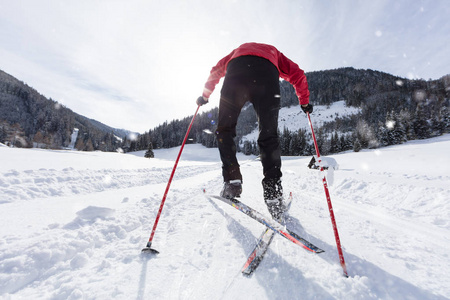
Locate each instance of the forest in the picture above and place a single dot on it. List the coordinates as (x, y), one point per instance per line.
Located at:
(28, 119)
(393, 110)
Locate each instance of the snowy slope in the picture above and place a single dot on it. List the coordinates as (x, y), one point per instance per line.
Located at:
(72, 225)
(293, 118)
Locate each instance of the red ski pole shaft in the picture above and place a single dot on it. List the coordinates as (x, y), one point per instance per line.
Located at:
(330, 206)
(168, 187)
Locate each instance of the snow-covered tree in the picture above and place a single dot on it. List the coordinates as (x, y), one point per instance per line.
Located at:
(149, 153)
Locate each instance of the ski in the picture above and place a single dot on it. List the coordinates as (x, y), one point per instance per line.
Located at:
(257, 255)
(270, 223)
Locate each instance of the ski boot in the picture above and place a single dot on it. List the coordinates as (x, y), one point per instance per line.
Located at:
(273, 197)
(232, 189)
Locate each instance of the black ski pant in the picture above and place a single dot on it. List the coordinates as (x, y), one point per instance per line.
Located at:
(253, 79)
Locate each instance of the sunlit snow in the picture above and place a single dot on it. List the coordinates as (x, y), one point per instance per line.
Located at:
(72, 225)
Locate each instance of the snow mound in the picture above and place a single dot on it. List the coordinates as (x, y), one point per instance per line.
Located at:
(89, 215)
(93, 212)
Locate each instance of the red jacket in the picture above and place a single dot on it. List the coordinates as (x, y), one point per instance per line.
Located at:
(288, 70)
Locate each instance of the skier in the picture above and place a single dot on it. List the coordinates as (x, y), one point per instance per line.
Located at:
(252, 73)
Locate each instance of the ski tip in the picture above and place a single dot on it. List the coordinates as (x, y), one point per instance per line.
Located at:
(148, 250)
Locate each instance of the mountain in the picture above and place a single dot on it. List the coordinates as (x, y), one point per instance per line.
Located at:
(370, 109)
(28, 118)
(375, 109)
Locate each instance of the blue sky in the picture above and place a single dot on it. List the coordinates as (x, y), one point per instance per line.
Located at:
(135, 64)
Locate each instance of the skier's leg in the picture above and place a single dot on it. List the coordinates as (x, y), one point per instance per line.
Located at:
(225, 133)
(266, 101)
(232, 99)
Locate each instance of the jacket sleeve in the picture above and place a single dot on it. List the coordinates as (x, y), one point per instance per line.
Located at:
(217, 72)
(291, 72)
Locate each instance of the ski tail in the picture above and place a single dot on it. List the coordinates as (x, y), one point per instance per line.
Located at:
(262, 245)
(257, 254)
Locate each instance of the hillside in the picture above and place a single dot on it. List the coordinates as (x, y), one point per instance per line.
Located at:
(27, 118)
(72, 225)
(384, 110)
(376, 109)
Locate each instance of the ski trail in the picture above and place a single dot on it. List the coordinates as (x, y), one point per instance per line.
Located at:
(228, 287)
(43, 183)
(394, 231)
(430, 234)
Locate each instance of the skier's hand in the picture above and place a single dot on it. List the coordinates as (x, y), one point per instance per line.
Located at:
(201, 100)
(308, 108)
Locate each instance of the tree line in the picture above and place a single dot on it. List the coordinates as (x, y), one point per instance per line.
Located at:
(28, 119)
(393, 110)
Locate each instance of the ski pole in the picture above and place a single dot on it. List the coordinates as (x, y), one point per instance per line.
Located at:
(330, 207)
(149, 243)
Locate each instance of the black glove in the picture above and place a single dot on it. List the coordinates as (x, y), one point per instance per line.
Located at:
(201, 101)
(307, 109)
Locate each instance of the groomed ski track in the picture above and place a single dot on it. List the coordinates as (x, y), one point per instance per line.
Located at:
(81, 238)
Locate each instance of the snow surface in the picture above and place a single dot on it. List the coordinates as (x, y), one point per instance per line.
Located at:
(73, 138)
(72, 226)
(293, 118)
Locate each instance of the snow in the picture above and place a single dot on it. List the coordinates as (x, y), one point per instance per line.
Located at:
(293, 118)
(72, 225)
(73, 138)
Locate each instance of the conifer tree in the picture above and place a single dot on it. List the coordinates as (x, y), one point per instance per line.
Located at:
(357, 145)
(149, 153)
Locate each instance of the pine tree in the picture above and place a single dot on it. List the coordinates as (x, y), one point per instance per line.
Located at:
(149, 153)
(405, 118)
(159, 140)
(420, 124)
(2, 135)
(255, 148)
(247, 149)
(285, 141)
(399, 130)
(335, 146)
(444, 120)
(294, 149)
(357, 145)
(346, 143)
